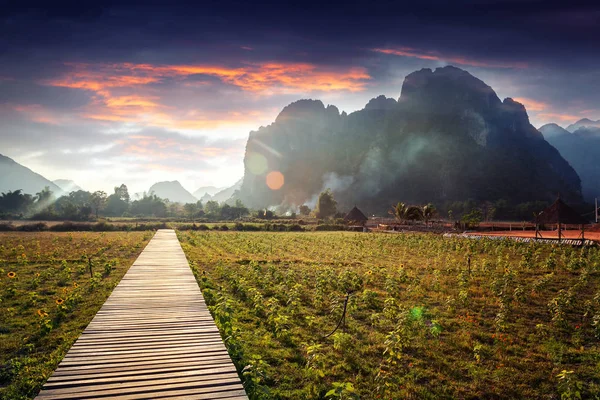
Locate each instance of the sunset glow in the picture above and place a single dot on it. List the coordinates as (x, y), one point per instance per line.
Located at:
(78, 83)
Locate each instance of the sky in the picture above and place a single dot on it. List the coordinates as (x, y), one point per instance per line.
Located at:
(137, 92)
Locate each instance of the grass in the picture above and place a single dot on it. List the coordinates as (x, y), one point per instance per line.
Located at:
(427, 317)
(47, 297)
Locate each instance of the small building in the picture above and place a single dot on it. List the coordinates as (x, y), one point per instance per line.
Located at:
(559, 213)
(356, 217)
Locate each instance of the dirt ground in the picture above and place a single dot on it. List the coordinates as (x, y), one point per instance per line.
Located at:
(570, 234)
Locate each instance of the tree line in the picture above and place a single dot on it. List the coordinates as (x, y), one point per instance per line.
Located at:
(82, 205)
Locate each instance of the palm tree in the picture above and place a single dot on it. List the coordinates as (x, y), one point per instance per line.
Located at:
(428, 212)
(414, 213)
(399, 212)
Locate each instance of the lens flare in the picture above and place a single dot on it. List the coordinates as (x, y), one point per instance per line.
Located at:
(257, 163)
(275, 180)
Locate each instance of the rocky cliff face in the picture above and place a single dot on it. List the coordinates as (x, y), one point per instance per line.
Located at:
(447, 138)
(581, 148)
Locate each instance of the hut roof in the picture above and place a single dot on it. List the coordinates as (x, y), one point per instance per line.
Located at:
(560, 212)
(355, 215)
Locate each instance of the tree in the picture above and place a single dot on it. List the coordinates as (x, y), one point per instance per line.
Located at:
(122, 192)
(149, 205)
(399, 212)
(414, 213)
(115, 206)
(43, 198)
(15, 202)
(227, 212)
(326, 205)
(80, 198)
(428, 212)
(97, 201)
(212, 208)
(473, 218)
(117, 203)
(190, 209)
(304, 210)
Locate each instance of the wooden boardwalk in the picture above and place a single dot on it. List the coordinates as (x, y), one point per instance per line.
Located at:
(154, 338)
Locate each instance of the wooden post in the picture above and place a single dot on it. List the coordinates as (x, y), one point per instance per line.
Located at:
(469, 264)
(90, 265)
(559, 231)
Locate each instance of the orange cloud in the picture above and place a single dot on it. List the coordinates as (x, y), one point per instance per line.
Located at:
(532, 105)
(561, 117)
(436, 56)
(132, 101)
(259, 77)
(110, 81)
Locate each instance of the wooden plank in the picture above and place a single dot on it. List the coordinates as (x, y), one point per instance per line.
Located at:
(153, 338)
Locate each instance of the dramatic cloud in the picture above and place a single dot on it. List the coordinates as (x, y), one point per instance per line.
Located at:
(262, 78)
(433, 55)
(102, 92)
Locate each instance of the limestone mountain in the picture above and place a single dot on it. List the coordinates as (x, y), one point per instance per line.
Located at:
(447, 138)
(67, 186)
(583, 123)
(581, 148)
(172, 191)
(210, 190)
(14, 176)
(226, 194)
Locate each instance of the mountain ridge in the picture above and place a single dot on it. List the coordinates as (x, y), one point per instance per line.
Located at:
(581, 148)
(15, 176)
(172, 191)
(447, 138)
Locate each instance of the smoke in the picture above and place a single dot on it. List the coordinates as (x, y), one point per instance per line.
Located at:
(372, 172)
(380, 169)
(333, 181)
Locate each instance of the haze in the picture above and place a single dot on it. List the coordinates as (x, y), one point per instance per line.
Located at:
(108, 94)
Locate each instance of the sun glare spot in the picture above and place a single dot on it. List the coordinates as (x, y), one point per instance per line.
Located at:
(275, 180)
(257, 163)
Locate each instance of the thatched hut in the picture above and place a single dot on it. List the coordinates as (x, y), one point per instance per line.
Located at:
(561, 214)
(355, 216)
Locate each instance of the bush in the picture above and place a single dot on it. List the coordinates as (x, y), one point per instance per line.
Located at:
(330, 227)
(7, 228)
(38, 227)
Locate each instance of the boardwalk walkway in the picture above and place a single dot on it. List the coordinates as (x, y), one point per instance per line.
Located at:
(153, 339)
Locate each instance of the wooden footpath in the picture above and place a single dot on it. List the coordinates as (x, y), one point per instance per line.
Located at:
(154, 338)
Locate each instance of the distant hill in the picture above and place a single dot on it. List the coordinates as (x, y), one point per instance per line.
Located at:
(14, 176)
(210, 190)
(583, 123)
(581, 148)
(227, 193)
(447, 138)
(67, 185)
(173, 191)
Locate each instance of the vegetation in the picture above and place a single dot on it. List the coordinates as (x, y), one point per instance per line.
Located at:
(404, 213)
(48, 297)
(82, 206)
(326, 205)
(427, 317)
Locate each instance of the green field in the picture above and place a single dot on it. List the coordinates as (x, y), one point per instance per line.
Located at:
(522, 322)
(47, 297)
